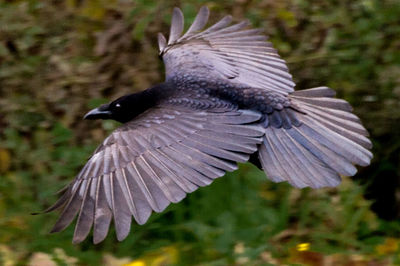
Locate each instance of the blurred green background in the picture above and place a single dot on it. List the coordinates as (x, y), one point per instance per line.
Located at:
(60, 58)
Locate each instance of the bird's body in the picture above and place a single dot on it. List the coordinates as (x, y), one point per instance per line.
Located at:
(228, 97)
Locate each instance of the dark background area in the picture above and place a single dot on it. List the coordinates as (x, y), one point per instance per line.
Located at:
(58, 59)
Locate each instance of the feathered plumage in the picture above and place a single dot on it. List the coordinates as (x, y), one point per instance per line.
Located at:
(227, 96)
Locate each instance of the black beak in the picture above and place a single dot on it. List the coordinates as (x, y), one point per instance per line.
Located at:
(98, 113)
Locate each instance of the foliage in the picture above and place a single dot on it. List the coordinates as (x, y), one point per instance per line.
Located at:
(60, 58)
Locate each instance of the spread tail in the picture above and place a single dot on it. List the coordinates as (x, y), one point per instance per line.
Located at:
(328, 143)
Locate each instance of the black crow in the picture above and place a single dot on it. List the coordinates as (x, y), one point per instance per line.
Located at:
(228, 96)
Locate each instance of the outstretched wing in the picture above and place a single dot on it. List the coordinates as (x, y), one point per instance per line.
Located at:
(232, 54)
(153, 160)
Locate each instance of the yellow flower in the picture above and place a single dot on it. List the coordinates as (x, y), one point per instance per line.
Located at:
(303, 247)
(390, 245)
(136, 263)
(162, 257)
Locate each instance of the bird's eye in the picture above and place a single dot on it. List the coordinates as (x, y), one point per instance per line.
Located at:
(117, 105)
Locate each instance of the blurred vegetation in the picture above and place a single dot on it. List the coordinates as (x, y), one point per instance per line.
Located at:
(60, 58)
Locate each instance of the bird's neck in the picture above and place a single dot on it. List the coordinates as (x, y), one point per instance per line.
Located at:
(141, 101)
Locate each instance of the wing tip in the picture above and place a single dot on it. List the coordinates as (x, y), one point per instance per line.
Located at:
(98, 239)
(204, 9)
(56, 228)
(78, 239)
(177, 23)
(162, 42)
(122, 235)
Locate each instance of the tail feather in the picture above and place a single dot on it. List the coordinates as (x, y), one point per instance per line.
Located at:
(344, 129)
(324, 113)
(315, 92)
(322, 153)
(327, 143)
(341, 145)
(334, 113)
(326, 102)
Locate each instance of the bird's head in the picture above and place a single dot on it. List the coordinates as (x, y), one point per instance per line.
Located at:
(121, 110)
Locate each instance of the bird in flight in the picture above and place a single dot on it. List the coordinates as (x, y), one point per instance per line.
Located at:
(228, 97)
